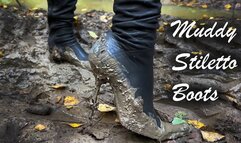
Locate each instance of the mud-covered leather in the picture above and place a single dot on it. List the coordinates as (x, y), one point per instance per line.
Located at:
(132, 42)
(137, 66)
(61, 33)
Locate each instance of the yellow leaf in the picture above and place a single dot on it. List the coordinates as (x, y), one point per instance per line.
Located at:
(58, 86)
(5, 6)
(165, 23)
(33, 9)
(74, 125)
(211, 136)
(197, 53)
(161, 29)
(84, 9)
(70, 101)
(75, 18)
(211, 18)
(205, 16)
(204, 6)
(196, 123)
(15, 8)
(105, 108)
(40, 127)
(202, 24)
(68, 107)
(92, 34)
(228, 6)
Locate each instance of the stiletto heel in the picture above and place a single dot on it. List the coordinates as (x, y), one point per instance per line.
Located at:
(111, 64)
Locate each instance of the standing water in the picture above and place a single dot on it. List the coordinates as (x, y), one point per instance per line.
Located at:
(174, 10)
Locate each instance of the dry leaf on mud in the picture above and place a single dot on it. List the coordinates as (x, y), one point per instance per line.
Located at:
(84, 9)
(34, 9)
(103, 18)
(211, 18)
(70, 101)
(197, 124)
(161, 29)
(93, 34)
(228, 6)
(197, 53)
(58, 86)
(76, 18)
(40, 127)
(105, 108)
(74, 125)
(211, 136)
(68, 107)
(167, 87)
(204, 6)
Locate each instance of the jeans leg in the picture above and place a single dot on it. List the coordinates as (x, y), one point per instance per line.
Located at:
(135, 23)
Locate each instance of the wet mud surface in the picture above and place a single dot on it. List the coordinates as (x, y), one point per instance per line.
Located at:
(27, 74)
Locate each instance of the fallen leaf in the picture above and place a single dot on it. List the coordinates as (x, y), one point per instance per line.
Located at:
(204, 6)
(202, 24)
(75, 18)
(70, 101)
(167, 87)
(196, 124)
(84, 9)
(228, 6)
(211, 136)
(93, 34)
(211, 18)
(161, 29)
(40, 127)
(205, 16)
(105, 108)
(69, 107)
(103, 18)
(58, 86)
(5, 6)
(74, 125)
(197, 53)
(33, 9)
(165, 23)
(178, 121)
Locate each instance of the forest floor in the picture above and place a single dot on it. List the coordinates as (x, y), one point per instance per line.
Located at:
(27, 77)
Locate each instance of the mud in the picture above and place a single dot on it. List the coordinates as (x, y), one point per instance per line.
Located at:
(27, 74)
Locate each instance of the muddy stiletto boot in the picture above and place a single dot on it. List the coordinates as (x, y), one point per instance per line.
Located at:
(124, 57)
(63, 45)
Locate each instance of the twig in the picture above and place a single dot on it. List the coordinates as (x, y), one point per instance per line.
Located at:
(19, 4)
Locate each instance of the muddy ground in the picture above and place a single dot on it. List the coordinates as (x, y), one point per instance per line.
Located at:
(27, 74)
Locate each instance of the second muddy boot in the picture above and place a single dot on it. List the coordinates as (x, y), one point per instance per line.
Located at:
(62, 41)
(124, 57)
